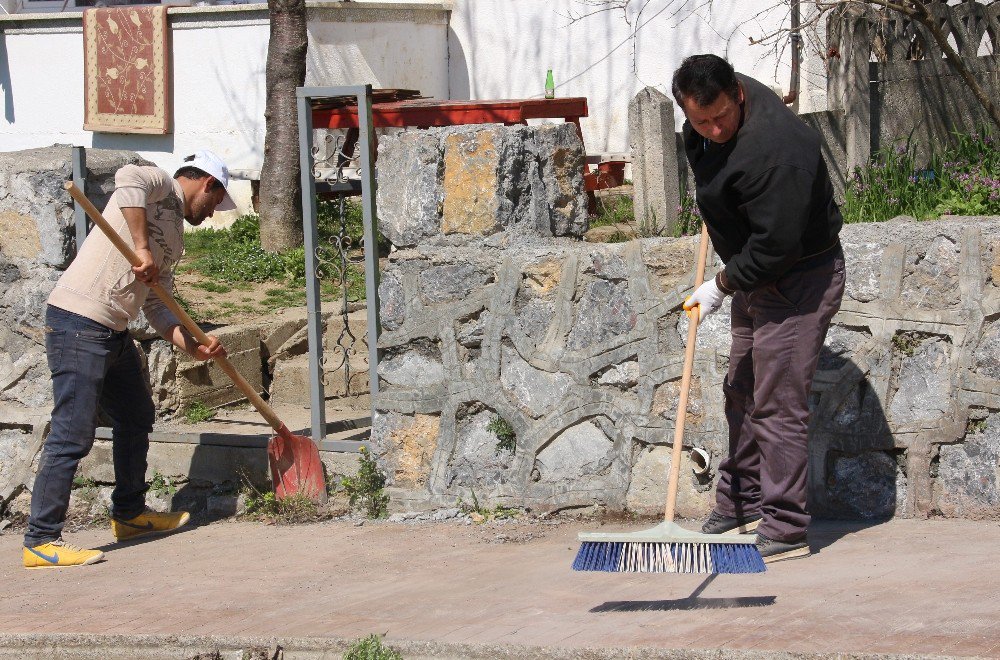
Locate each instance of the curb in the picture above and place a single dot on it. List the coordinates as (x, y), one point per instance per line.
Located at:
(70, 646)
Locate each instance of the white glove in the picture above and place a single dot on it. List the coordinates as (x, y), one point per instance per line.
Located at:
(707, 298)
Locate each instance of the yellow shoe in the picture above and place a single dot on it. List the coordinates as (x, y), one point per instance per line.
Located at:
(148, 522)
(58, 554)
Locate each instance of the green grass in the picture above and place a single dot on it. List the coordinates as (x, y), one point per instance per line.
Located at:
(963, 179)
(613, 211)
(233, 258)
(212, 287)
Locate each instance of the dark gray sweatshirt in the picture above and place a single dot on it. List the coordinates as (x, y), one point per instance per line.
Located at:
(766, 194)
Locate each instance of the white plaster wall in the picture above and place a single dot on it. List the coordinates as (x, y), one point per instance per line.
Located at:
(218, 65)
(502, 48)
(490, 49)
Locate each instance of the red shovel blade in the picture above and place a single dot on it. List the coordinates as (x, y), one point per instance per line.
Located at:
(295, 466)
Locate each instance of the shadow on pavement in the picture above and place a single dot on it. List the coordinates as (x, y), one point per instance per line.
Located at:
(692, 602)
(682, 604)
(121, 545)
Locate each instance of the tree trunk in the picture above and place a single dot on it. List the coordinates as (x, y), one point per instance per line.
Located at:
(280, 202)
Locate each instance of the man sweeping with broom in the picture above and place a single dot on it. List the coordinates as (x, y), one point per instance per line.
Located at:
(95, 364)
(765, 195)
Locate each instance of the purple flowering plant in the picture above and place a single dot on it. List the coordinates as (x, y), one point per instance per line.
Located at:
(962, 179)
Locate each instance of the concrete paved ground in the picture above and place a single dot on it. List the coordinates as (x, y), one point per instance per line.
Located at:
(451, 590)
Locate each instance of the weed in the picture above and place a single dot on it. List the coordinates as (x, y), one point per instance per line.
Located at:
(161, 486)
(481, 514)
(366, 487)
(504, 432)
(906, 343)
(975, 426)
(371, 648)
(235, 256)
(266, 506)
(650, 226)
(84, 482)
(197, 411)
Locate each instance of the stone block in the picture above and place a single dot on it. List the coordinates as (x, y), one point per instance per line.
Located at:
(478, 462)
(924, 387)
(656, 198)
(472, 182)
(930, 278)
(285, 334)
(581, 451)
(19, 236)
(968, 483)
(647, 490)
(867, 486)
(206, 382)
(986, 359)
(535, 391)
(670, 262)
(416, 365)
(605, 310)
(410, 192)
(560, 155)
(339, 465)
(392, 302)
(291, 383)
(451, 282)
(404, 446)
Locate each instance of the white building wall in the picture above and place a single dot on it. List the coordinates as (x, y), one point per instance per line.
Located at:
(502, 48)
(486, 49)
(218, 62)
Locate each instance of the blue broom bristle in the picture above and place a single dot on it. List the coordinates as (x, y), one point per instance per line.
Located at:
(647, 557)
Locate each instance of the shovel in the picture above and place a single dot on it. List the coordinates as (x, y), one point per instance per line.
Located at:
(294, 459)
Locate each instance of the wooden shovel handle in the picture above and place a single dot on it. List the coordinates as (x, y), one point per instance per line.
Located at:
(265, 410)
(692, 338)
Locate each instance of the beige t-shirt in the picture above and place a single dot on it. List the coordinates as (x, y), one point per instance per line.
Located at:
(99, 284)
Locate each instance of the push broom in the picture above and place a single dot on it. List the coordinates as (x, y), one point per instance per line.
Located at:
(668, 547)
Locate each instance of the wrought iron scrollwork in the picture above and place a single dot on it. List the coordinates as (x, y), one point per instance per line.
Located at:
(331, 160)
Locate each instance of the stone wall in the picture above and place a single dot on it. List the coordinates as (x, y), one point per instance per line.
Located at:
(577, 348)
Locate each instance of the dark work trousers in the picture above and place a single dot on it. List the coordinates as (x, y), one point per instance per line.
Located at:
(778, 331)
(93, 367)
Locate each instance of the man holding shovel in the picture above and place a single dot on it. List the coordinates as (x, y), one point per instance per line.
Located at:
(766, 197)
(95, 364)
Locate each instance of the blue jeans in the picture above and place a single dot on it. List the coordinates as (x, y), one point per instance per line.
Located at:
(93, 367)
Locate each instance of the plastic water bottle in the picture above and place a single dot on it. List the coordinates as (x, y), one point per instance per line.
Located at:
(550, 86)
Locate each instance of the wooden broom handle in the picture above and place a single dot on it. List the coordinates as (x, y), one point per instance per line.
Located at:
(265, 410)
(692, 338)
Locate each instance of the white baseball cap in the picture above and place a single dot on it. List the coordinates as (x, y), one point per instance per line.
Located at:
(209, 163)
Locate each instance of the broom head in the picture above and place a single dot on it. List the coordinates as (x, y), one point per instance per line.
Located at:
(668, 548)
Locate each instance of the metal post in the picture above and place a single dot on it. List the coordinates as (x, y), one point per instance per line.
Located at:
(314, 324)
(367, 135)
(366, 131)
(80, 179)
